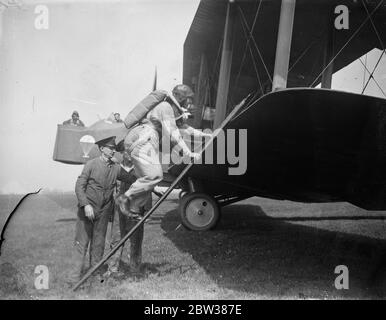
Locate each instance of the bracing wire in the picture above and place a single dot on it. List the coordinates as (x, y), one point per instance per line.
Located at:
(247, 43)
(373, 24)
(256, 70)
(376, 82)
(348, 41)
(383, 48)
(253, 61)
(371, 76)
(312, 43)
(211, 77)
(255, 44)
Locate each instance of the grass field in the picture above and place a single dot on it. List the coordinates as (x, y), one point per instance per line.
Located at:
(261, 249)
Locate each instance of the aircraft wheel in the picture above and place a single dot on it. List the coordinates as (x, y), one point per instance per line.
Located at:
(199, 211)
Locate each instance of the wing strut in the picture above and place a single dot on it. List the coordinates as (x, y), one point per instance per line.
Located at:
(247, 45)
(283, 47)
(225, 66)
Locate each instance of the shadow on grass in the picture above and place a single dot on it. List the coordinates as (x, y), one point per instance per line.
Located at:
(146, 270)
(251, 252)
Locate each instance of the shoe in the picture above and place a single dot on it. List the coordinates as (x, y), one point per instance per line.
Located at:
(136, 272)
(119, 275)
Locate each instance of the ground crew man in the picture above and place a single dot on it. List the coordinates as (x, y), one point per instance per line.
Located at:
(94, 190)
(142, 146)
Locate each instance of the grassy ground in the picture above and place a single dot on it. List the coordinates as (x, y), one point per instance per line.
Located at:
(261, 249)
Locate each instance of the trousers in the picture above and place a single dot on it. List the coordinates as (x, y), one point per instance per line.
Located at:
(121, 225)
(142, 145)
(88, 234)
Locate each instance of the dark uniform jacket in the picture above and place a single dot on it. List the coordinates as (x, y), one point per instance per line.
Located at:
(96, 183)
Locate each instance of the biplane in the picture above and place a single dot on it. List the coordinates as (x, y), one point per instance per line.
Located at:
(306, 142)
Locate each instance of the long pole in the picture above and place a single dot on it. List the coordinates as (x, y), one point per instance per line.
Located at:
(156, 205)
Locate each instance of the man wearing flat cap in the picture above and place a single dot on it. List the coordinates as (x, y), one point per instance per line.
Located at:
(94, 189)
(74, 121)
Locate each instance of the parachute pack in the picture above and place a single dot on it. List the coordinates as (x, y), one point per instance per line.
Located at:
(103, 129)
(144, 106)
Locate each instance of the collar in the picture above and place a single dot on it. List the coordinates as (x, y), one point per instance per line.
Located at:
(106, 161)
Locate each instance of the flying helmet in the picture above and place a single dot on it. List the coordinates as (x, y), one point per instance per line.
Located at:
(182, 92)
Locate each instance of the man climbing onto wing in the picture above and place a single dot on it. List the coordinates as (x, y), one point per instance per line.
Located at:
(142, 147)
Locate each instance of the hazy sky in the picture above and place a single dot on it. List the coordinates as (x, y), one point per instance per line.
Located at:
(96, 57)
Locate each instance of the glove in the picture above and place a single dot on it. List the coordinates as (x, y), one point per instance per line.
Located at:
(89, 212)
(196, 156)
(186, 115)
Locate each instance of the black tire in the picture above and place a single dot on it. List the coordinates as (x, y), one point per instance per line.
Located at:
(199, 211)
